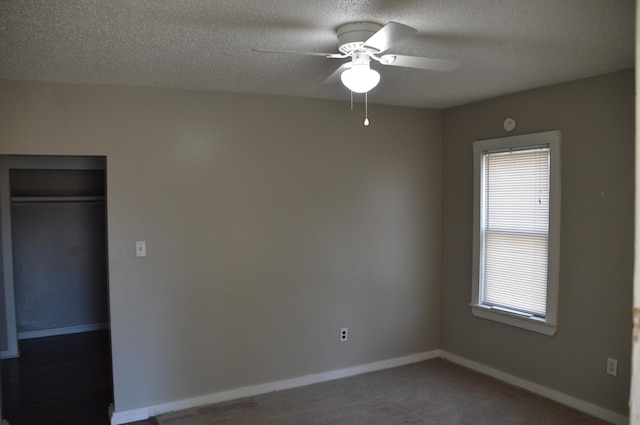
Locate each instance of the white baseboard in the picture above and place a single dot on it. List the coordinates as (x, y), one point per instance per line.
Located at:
(118, 418)
(63, 331)
(9, 355)
(567, 400)
(127, 416)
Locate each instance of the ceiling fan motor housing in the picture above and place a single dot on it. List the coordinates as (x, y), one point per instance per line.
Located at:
(352, 36)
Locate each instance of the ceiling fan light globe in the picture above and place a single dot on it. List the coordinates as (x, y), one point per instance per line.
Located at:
(360, 79)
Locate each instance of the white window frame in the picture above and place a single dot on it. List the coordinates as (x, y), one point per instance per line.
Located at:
(548, 324)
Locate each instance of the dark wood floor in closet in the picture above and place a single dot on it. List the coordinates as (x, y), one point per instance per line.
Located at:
(63, 379)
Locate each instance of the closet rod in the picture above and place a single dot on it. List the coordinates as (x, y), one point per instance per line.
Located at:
(30, 200)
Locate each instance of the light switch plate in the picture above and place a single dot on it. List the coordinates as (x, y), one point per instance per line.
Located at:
(141, 249)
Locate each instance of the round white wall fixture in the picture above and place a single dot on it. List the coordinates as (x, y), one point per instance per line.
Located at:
(509, 124)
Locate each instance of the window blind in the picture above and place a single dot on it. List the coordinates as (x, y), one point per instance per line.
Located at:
(515, 229)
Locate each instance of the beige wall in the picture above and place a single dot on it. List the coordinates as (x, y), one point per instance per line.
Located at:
(270, 222)
(596, 117)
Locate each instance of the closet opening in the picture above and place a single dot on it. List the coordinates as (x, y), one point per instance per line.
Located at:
(54, 335)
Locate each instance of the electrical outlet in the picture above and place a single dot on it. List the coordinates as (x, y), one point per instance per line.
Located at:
(612, 367)
(343, 334)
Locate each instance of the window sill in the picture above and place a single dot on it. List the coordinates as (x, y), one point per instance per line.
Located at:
(534, 324)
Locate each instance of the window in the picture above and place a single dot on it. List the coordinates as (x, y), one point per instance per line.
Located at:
(516, 230)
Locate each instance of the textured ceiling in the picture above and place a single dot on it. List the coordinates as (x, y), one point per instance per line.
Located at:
(505, 46)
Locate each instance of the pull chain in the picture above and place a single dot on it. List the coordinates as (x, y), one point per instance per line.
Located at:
(366, 109)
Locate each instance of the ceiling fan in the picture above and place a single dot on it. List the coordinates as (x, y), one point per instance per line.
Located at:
(363, 41)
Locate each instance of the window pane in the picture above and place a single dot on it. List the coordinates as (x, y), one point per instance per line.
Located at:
(515, 271)
(517, 190)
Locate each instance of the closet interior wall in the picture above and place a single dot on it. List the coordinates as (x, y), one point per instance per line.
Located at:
(59, 252)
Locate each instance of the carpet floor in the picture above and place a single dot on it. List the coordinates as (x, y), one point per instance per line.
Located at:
(434, 392)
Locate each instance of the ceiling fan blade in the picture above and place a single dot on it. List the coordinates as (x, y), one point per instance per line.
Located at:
(429, 64)
(390, 34)
(335, 76)
(298, 52)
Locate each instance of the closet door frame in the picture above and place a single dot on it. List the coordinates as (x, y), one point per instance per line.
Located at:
(12, 162)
